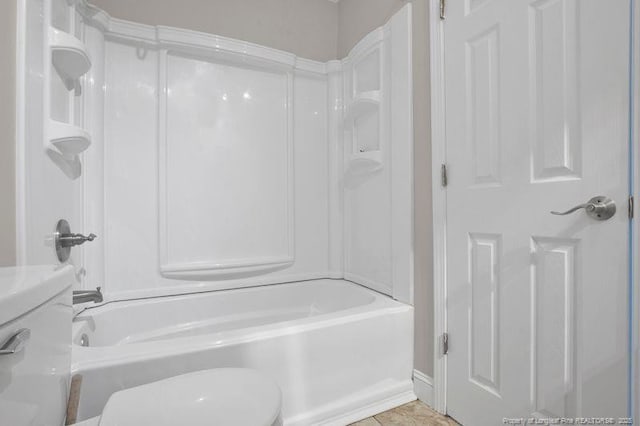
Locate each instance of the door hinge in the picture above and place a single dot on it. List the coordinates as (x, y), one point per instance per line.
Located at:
(443, 5)
(631, 207)
(443, 175)
(444, 344)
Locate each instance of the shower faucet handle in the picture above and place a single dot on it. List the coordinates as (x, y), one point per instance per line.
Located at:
(65, 239)
(72, 240)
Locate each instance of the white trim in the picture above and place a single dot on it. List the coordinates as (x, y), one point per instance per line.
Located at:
(20, 156)
(439, 199)
(181, 39)
(184, 40)
(127, 31)
(311, 66)
(400, 104)
(423, 387)
(363, 410)
(335, 150)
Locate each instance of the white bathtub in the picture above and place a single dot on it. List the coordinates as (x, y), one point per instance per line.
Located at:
(338, 351)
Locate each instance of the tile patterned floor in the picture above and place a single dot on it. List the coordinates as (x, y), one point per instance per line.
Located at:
(414, 413)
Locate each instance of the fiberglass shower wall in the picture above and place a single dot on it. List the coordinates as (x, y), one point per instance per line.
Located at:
(218, 163)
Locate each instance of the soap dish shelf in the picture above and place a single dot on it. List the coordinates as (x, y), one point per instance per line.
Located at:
(68, 140)
(68, 54)
(364, 103)
(364, 162)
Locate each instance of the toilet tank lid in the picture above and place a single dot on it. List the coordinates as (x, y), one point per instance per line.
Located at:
(225, 396)
(24, 288)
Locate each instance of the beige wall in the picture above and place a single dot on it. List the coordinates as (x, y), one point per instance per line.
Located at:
(308, 28)
(423, 235)
(356, 19)
(7, 133)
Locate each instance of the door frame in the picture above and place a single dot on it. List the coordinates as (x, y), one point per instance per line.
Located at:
(439, 204)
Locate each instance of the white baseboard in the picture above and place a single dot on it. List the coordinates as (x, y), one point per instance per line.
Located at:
(358, 407)
(372, 409)
(423, 387)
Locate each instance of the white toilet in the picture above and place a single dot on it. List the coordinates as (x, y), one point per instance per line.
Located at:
(224, 396)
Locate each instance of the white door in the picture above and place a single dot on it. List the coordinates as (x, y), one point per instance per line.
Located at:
(536, 120)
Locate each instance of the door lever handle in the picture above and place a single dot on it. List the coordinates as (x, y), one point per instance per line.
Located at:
(598, 208)
(585, 206)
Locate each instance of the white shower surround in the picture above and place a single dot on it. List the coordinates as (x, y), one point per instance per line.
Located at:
(316, 220)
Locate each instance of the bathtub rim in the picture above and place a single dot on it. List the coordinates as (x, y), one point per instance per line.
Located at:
(111, 299)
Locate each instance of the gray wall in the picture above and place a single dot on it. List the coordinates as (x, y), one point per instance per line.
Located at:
(7, 133)
(308, 28)
(356, 19)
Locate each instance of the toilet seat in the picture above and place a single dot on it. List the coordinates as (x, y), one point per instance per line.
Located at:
(226, 396)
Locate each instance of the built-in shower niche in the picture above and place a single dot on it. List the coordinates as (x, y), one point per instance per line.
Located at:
(69, 57)
(69, 61)
(364, 96)
(377, 175)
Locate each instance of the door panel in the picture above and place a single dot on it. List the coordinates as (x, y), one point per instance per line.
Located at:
(536, 120)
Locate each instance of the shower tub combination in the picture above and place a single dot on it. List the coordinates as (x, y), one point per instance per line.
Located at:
(339, 351)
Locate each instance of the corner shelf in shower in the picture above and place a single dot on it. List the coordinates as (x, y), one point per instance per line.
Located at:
(364, 103)
(68, 54)
(364, 162)
(69, 140)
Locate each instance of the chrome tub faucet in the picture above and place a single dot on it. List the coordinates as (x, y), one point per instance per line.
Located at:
(83, 296)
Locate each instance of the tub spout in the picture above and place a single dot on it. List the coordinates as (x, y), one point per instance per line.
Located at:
(84, 296)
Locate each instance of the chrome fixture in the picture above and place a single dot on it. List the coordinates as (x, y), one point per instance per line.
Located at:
(65, 239)
(16, 343)
(84, 296)
(598, 208)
